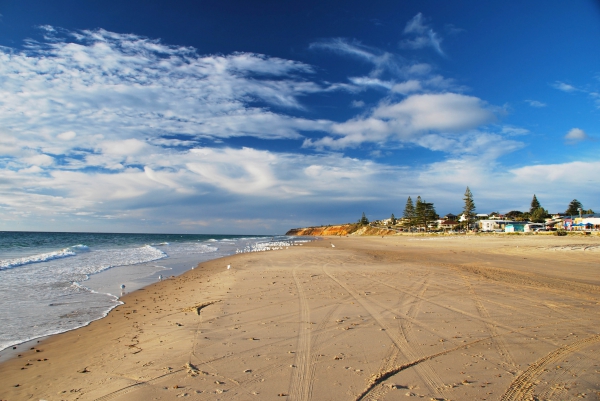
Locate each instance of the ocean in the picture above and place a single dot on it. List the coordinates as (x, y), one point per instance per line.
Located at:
(55, 282)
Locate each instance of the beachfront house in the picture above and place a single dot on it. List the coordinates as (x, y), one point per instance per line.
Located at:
(589, 222)
(494, 225)
(515, 227)
(447, 225)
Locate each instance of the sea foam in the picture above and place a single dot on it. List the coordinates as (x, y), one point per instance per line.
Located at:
(44, 257)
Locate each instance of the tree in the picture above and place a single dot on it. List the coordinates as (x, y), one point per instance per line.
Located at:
(424, 212)
(534, 205)
(409, 213)
(393, 219)
(513, 215)
(574, 207)
(363, 220)
(469, 209)
(539, 215)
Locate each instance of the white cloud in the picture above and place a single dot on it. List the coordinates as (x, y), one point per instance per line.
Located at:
(407, 87)
(115, 128)
(381, 61)
(536, 103)
(66, 136)
(564, 87)
(39, 160)
(576, 135)
(115, 85)
(405, 120)
(422, 35)
(124, 147)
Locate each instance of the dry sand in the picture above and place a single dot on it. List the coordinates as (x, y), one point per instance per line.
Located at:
(457, 318)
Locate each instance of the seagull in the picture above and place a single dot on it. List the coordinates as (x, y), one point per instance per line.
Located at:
(122, 286)
(160, 276)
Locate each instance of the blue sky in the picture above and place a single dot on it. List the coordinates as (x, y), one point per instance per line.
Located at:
(256, 117)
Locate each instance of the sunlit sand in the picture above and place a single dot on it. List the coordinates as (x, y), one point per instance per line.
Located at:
(454, 318)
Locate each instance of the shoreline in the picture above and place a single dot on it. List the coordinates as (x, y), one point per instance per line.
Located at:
(102, 288)
(12, 351)
(292, 323)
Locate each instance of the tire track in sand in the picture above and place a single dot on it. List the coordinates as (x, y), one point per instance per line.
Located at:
(405, 327)
(300, 387)
(429, 376)
(498, 340)
(522, 387)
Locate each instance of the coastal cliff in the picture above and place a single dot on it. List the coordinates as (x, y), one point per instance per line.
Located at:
(340, 230)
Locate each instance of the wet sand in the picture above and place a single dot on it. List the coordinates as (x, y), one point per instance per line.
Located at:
(369, 318)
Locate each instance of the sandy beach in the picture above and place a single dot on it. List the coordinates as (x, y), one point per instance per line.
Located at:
(360, 318)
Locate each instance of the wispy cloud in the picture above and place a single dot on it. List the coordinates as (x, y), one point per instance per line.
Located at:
(389, 71)
(564, 86)
(99, 85)
(381, 61)
(422, 35)
(536, 103)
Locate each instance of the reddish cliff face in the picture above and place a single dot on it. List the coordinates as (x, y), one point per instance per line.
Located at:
(340, 230)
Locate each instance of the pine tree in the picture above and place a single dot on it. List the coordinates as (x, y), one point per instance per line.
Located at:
(419, 211)
(574, 207)
(425, 212)
(393, 219)
(469, 209)
(534, 205)
(363, 220)
(409, 213)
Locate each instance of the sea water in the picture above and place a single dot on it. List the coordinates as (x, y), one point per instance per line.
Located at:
(55, 282)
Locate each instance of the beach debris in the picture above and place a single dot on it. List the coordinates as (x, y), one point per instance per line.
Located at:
(199, 307)
(228, 267)
(333, 246)
(84, 370)
(248, 371)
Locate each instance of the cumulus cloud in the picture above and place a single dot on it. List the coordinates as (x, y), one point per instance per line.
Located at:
(422, 35)
(406, 120)
(576, 135)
